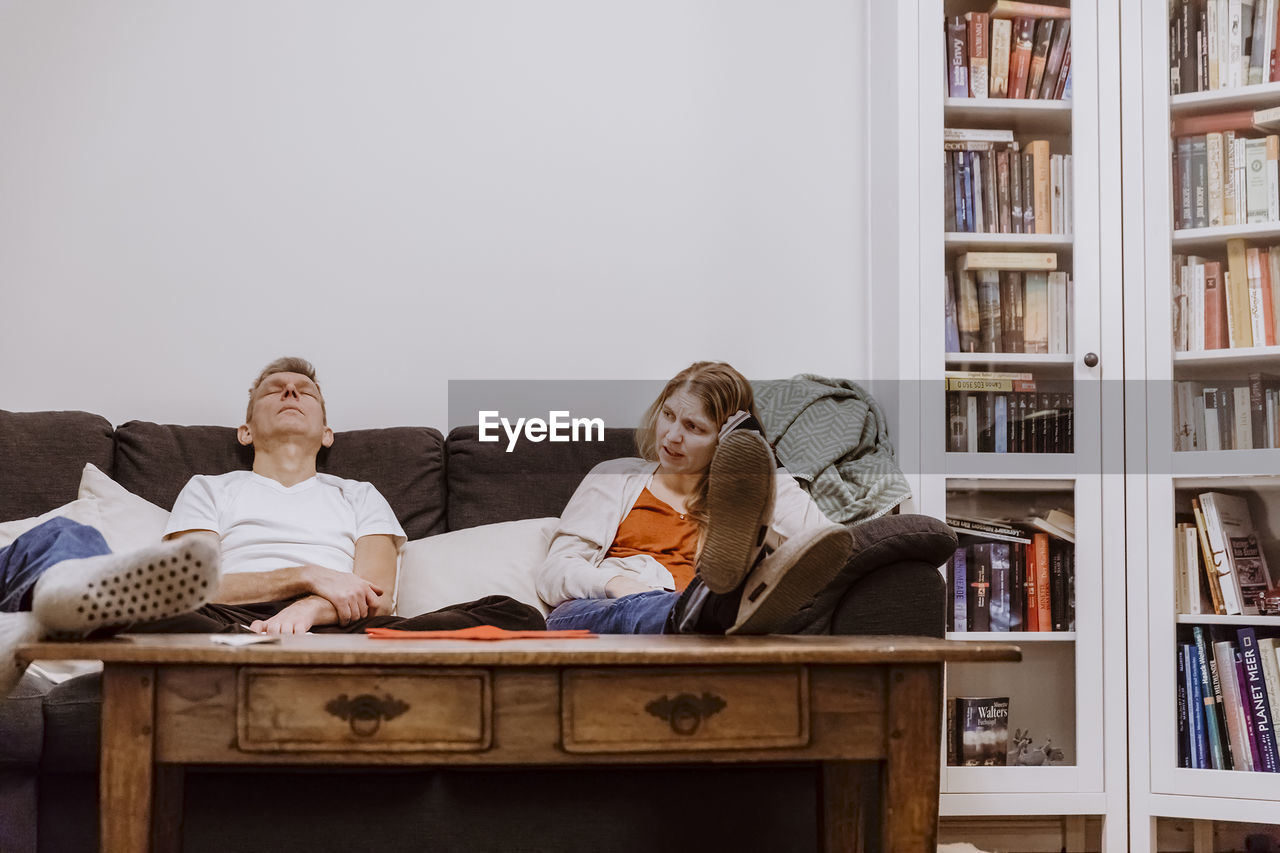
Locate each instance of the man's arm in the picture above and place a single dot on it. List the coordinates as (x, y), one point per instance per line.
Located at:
(346, 596)
(375, 564)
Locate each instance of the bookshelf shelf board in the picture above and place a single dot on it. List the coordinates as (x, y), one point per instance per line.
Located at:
(1016, 636)
(961, 359)
(998, 779)
(1018, 114)
(1236, 784)
(1214, 807)
(1244, 97)
(963, 241)
(1013, 803)
(1027, 484)
(1211, 240)
(1207, 619)
(1225, 469)
(1013, 466)
(1225, 356)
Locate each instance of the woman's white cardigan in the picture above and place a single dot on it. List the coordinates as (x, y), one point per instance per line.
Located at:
(576, 566)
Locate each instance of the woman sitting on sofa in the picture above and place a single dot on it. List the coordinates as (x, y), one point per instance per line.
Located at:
(703, 534)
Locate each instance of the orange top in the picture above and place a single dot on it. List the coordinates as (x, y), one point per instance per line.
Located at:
(656, 529)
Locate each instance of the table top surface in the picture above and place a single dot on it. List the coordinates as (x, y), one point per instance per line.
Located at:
(619, 650)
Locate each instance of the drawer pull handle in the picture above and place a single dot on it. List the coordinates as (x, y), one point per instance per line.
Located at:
(686, 712)
(366, 711)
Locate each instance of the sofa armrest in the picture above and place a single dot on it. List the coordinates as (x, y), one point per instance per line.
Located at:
(882, 573)
(21, 746)
(906, 598)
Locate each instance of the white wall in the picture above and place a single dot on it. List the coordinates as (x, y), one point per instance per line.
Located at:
(412, 191)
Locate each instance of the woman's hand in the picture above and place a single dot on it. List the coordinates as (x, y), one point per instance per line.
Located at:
(620, 585)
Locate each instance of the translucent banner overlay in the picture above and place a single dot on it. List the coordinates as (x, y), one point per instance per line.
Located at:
(1051, 427)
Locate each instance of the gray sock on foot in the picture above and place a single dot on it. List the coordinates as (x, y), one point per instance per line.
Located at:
(78, 596)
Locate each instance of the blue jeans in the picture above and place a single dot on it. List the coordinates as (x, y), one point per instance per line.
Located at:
(34, 552)
(641, 613)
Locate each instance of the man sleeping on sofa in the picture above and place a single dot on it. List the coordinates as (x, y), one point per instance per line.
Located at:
(280, 549)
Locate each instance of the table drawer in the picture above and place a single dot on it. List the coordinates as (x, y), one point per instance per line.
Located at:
(666, 709)
(390, 710)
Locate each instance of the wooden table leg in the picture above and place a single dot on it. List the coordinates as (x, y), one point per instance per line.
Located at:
(166, 811)
(914, 729)
(128, 727)
(850, 801)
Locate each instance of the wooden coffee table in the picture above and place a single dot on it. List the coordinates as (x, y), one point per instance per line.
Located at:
(867, 709)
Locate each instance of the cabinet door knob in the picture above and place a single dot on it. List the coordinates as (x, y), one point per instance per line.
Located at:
(1091, 359)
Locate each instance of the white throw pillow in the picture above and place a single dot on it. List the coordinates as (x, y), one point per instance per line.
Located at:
(493, 559)
(126, 521)
(83, 510)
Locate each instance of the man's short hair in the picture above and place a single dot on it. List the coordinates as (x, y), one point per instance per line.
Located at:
(288, 364)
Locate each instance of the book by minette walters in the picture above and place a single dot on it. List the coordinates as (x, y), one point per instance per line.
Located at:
(982, 731)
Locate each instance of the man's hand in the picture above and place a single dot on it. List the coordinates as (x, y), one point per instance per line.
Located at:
(297, 618)
(352, 596)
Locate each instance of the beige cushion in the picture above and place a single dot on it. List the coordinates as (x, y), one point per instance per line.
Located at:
(493, 559)
(127, 521)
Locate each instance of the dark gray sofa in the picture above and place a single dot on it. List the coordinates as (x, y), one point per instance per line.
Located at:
(49, 734)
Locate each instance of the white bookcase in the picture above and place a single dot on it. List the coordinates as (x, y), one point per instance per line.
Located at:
(1159, 481)
(1068, 683)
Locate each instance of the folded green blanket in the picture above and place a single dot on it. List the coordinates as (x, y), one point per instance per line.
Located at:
(832, 436)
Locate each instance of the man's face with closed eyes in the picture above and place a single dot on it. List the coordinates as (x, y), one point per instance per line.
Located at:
(286, 405)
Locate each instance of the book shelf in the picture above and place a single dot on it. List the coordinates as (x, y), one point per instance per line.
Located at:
(1161, 480)
(1058, 689)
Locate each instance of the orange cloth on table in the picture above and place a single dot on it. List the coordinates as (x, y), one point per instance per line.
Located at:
(654, 528)
(477, 632)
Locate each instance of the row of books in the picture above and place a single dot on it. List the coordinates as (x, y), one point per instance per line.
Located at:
(978, 736)
(1221, 44)
(1219, 563)
(1007, 311)
(1216, 415)
(992, 187)
(1010, 422)
(1006, 579)
(1010, 53)
(1219, 305)
(1228, 688)
(1225, 179)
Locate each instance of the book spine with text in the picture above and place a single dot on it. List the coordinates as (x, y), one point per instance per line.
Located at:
(1039, 56)
(1001, 38)
(1224, 655)
(957, 57)
(979, 55)
(1254, 693)
(1212, 734)
(1053, 63)
(980, 586)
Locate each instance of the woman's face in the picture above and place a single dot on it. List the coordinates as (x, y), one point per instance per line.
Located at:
(686, 435)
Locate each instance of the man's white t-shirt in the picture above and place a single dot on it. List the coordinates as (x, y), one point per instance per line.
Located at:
(265, 525)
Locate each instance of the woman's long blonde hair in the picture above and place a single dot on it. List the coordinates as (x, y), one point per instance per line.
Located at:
(721, 390)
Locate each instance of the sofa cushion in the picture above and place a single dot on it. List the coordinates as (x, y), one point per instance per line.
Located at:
(406, 464)
(488, 485)
(464, 565)
(22, 721)
(125, 520)
(43, 453)
(72, 725)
